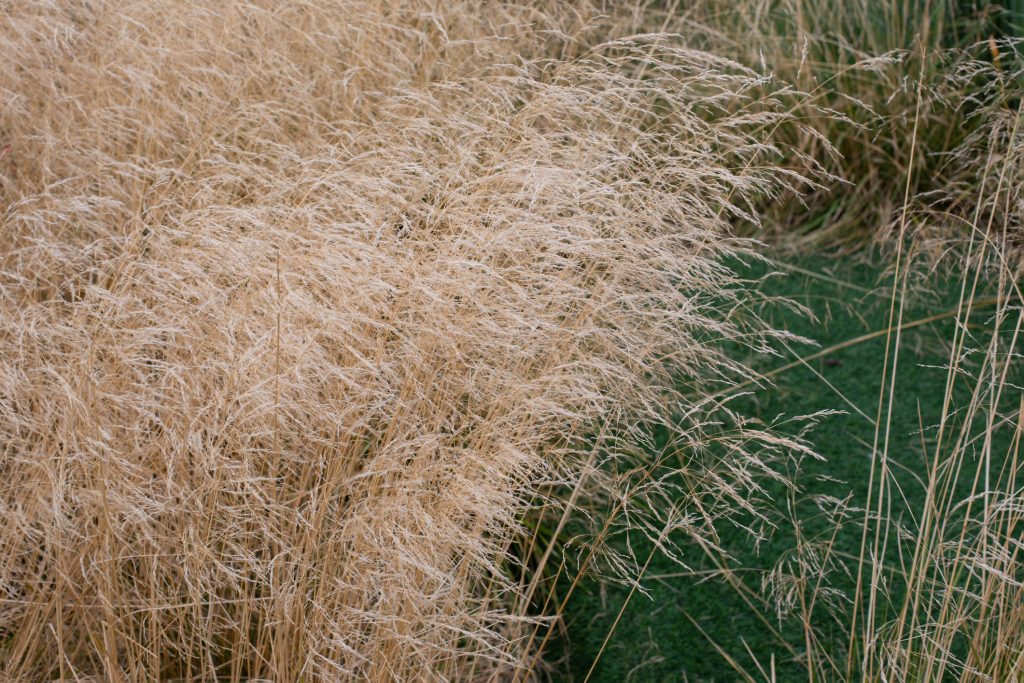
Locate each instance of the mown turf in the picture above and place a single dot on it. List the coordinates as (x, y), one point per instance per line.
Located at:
(655, 639)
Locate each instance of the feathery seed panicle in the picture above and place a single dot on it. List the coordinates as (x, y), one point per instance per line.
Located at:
(302, 306)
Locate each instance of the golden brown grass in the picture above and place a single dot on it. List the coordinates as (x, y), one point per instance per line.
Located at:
(304, 305)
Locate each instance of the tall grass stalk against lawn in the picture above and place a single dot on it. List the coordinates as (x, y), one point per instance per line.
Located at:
(939, 576)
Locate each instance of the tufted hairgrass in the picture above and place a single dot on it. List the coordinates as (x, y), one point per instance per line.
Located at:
(304, 307)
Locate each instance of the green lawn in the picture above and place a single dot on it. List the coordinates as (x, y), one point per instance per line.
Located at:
(655, 640)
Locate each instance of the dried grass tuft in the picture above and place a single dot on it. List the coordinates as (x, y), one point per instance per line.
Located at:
(302, 305)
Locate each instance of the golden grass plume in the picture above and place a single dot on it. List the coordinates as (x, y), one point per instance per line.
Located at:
(301, 304)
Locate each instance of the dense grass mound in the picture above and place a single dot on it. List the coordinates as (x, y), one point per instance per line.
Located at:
(303, 306)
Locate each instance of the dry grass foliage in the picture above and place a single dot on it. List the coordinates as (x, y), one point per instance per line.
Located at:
(302, 304)
(884, 73)
(982, 199)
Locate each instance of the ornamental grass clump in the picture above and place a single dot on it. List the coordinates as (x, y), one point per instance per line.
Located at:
(304, 306)
(884, 71)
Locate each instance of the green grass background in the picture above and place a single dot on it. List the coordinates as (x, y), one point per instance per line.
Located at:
(654, 640)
